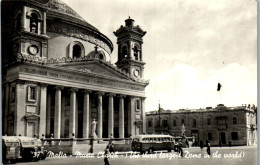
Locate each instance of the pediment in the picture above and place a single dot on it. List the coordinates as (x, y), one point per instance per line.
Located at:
(97, 68)
(31, 116)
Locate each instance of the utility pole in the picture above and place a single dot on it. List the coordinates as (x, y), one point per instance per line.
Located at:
(160, 130)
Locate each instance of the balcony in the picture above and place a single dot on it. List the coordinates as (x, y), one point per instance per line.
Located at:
(221, 126)
(162, 128)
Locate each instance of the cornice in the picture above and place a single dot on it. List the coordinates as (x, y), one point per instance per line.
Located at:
(65, 70)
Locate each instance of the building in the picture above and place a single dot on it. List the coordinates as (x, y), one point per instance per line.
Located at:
(57, 75)
(221, 123)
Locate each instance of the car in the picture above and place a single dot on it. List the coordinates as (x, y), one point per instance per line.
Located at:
(32, 148)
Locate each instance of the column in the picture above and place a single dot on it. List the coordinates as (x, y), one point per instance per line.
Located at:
(110, 114)
(44, 23)
(72, 129)
(100, 118)
(20, 108)
(63, 118)
(121, 117)
(86, 115)
(143, 115)
(6, 107)
(43, 107)
(23, 19)
(57, 117)
(140, 51)
(48, 115)
(130, 50)
(132, 115)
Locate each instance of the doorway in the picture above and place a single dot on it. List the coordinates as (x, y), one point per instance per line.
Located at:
(223, 137)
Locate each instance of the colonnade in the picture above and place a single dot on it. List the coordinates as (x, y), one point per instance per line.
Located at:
(87, 115)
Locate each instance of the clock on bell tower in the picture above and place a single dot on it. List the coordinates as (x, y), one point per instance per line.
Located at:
(130, 40)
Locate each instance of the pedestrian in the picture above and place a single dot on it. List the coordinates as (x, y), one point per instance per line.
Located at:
(229, 142)
(111, 148)
(111, 139)
(187, 143)
(201, 144)
(106, 155)
(52, 142)
(180, 148)
(208, 147)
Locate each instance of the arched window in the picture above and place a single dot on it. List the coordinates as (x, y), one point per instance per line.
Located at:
(136, 53)
(174, 122)
(125, 52)
(34, 23)
(76, 52)
(101, 56)
(209, 136)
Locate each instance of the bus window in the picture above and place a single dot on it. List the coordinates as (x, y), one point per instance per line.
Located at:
(136, 139)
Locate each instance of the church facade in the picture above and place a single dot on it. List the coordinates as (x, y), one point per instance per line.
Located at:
(57, 75)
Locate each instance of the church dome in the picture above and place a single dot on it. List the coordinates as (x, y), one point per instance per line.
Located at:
(60, 14)
(63, 8)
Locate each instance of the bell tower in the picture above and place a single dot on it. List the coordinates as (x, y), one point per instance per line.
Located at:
(130, 40)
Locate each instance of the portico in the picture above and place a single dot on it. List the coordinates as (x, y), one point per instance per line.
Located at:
(69, 108)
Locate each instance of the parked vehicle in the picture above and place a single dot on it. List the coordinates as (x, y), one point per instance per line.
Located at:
(10, 149)
(31, 148)
(151, 143)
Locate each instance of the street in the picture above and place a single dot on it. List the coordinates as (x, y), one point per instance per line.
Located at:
(245, 155)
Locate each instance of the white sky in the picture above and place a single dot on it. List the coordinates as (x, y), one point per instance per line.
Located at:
(186, 43)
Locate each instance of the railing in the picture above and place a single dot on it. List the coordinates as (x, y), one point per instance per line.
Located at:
(70, 141)
(162, 128)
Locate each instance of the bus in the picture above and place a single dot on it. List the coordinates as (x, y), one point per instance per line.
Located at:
(151, 143)
(10, 149)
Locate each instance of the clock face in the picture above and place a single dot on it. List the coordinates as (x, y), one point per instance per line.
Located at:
(136, 73)
(33, 49)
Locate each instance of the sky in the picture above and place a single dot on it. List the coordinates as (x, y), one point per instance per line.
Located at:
(190, 46)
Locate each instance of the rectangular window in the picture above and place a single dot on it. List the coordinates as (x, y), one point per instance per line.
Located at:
(208, 121)
(165, 123)
(234, 120)
(221, 120)
(174, 122)
(138, 105)
(150, 124)
(158, 123)
(182, 121)
(234, 135)
(32, 93)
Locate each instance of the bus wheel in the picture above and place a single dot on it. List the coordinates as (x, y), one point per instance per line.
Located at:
(150, 150)
(13, 161)
(169, 150)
